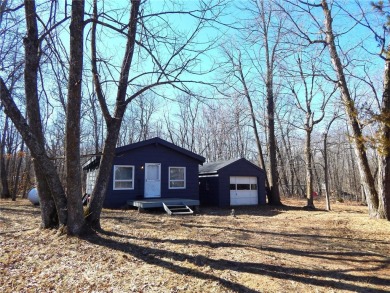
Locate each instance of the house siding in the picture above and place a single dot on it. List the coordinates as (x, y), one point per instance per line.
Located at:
(153, 153)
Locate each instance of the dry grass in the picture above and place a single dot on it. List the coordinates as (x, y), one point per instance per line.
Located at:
(260, 250)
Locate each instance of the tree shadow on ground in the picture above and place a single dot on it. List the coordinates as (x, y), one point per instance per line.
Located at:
(261, 210)
(125, 219)
(289, 235)
(5, 232)
(21, 210)
(155, 257)
(336, 279)
(383, 261)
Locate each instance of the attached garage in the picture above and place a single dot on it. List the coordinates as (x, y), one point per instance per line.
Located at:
(231, 183)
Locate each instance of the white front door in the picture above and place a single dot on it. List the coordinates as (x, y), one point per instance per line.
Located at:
(152, 180)
(243, 190)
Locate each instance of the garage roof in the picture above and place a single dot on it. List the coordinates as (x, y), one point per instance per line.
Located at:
(214, 167)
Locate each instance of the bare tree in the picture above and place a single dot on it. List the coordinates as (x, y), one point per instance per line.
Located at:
(311, 89)
(268, 29)
(11, 69)
(235, 71)
(286, 121)
(52, 196)
(351, 111)
(165, 70)
(138, 123)
(365, 173)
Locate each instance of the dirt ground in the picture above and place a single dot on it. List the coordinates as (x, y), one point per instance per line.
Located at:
(261, 249)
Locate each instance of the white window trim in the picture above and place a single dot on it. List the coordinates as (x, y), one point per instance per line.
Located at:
(169, 178)
(132, 181)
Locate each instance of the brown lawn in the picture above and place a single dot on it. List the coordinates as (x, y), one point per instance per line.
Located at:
(260, 250)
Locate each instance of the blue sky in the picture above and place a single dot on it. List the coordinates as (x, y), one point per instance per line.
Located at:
(111, 46)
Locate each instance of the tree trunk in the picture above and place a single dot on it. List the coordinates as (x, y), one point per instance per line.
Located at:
(52, 211)
(384, 147)
(356, 186)
(254, 125)
(102, 180)
(350, 109)
(32, 57)
(72, 151)
(273, 166)
(317, 177)
(19, 165)
(270, 51)
(286, 189)
(327, 194)
(4, 193)
(309, 170)
(113, 123)
(326, 167)
(290, 161)
(26, 176)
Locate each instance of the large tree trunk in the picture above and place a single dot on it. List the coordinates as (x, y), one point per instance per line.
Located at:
(384, 147)
(102, 180)
(72, 151)
(52, 211)
(49, 206)
(274, 197)
(4, 192)
(350, 109)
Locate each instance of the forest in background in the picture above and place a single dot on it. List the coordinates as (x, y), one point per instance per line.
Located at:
(299, 88)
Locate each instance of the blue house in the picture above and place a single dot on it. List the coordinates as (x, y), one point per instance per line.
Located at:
(231, 183)
(149, 170)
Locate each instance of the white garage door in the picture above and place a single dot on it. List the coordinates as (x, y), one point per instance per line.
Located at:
(243, 190)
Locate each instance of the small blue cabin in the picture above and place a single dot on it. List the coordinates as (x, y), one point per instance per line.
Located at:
(231, 183)
(150, 169)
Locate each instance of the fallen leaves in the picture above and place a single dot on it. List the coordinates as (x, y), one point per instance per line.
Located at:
(261, 249)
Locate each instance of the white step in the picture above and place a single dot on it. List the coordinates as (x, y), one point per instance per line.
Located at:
(177, 209)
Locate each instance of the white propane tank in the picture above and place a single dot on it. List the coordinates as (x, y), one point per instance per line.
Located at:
(33, 196)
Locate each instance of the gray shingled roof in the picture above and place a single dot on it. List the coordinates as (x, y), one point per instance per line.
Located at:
(213, 167)
(95, 160)
(157, 140)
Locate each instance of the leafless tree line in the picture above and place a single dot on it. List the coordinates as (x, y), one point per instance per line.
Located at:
(286, 88)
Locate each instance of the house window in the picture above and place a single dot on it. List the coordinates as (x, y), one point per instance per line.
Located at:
(123, 177)
(177, 177)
